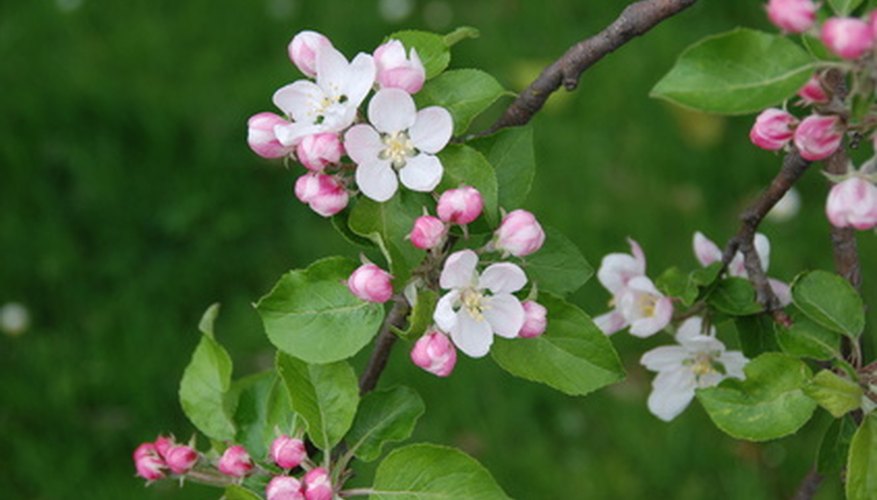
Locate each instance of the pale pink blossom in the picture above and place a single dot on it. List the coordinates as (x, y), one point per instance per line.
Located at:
(303, 51)
(852, 203)
(616, 269)
(848, 37)
(235, 462)
(318, 485)
(400, 145)
(371, 283)
(148, 463)
(773, 129)
(818, 137)
(519, 234)
(792, 16)
(535, 319)
(261, 138)
(460, 206)
(288, 452)
(317, 151)
(428, 232)
(435, 353)
(479, 306)
(181, 458)
(325, 194)
(395, 70)
(284, 488)
(813, 92)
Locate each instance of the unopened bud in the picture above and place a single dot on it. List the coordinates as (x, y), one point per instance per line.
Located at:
(318, 150)
(852, 203)
(284, 488)
(519, 233)
(317, 485)
(148, 463)
(535, 319)
(371, 283)
(813, 92)
(303, 51)
(261, 137)
(848, 37)
(235, 462)
(288, 452)
(435, 353)
(428, 232)
(323, 193)
(818, 137)
(395, 70)
(181, 458)
(772, 129)
(460, 206)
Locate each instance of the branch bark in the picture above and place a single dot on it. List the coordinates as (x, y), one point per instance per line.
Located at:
(383, 345)
(635, 20)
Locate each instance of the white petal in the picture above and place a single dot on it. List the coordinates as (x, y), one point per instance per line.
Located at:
(290, 134)
(391, 111)
(360, 78)
(445, 316)
(610, 322)
(432, 129)
(672, 392)
(651, 325)
(473, 337)
(781, 290)
(737, 267)
(617, 269)
(644, 285)
(422, 173)
(762, 248)
(377, 180)
(690, 328)
(363, 143)
(705, 250)
(663, 358)
(503, 277)
(733, 361)
(300, 100)
(332, 71)
(703, 344)
(637, 252)
(505, 314)
(459, 270)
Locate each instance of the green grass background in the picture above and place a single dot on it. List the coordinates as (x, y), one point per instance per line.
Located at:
(129, 202)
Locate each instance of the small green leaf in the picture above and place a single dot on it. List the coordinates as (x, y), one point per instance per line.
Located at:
(844, 7)
(460, 34)
(756, 334)
(572, 356)
(205, 384)
(431, 48)
(427, 471)
(738, 72)
(312, 315)
(421, 315)
(735, 297)
(559, 266)
(830, 301)
(511, 153)
(706, 276)
(466, 93)
(675, 283)
(325, 396)
(836, 394)
(835, 446)
(862, 462)
(807, 339)
(235, 492)
(817, 49)
(383, 417)
(465, 165)
(263, 409)
(341, 223)
(769, 404)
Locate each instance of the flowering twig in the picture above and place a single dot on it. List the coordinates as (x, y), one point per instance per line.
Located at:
(635, 20)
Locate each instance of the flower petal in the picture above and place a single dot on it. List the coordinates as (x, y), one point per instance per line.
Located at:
(332, 71)
(505, 314)
(391, 111)
(459, 270)
(617, 269)
(690, 328)
(664, 358)
(300, 100)
(376, 180)
(290, 134)
(733, 361)
(445, 316)
(672, 392)
(432, 129)
(705, 250)
(762, 248)
(360, 78)
(422, 173)
(781, 290)
(637, 252)
(363, 143)
(650, 325)
(610, 322)
(473, 337)
(503, 277)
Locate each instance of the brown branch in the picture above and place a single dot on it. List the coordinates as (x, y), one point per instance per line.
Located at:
(635, 20)
(809, 485)
(381, 353)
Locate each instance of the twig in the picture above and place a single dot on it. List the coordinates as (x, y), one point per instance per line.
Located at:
(809, 485)
(383, 345)
(636, 19)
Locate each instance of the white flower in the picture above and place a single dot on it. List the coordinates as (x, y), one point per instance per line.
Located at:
(699, 361)
(477, 307)
(399, 139)
(330, 104)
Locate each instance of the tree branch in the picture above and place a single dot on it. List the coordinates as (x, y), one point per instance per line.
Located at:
(381, 353)
(809, 485)
(636, 19)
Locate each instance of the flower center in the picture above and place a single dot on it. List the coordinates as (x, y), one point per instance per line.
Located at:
(473, 301)
(647, 303)
(398, 149)
(703, 365)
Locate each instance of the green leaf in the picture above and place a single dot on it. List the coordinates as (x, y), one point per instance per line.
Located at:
(431, 48)
(735, 297)
(738, 72)
(325, 396)
(263, 409)
(460, 34)
(769, 404)
(675, 283)
(383, 417)
(756, 334)
(235, 492)
(844, 7)
(206, 382)
(421, 315)
(511, 153)
(836, 394)
(862, 462)
(312, 315)
(466, 93)
(559, 266)
(807, 339)
(572, 356)
(835, 446)
(341, 223)
(465, 165)
(830, 301)
(706, 276)
(817, 49)
(430, 472)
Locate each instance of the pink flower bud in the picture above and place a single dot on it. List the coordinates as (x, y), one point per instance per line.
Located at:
(460, 206)
(148, 463)
(323, 193)
(371, 283)
(394, 70)
(288, 452)
(318, 150)
(872, 22)
(519, 234)
(818, 137)
(181, 458)
(261, 138)
(163, 444)
(303, 51)
(792, 16)
(428, 232)
(145, 449)
(235, 462)
(535, 319)
(848, 37)
(435, 353)
(852, 202)
(317, 485)
(813, 92)
(284, 488)
(772, 129)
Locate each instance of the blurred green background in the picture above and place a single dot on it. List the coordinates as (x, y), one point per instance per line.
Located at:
(129, 202)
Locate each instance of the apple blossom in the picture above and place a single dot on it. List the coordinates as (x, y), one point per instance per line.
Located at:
(261, 137)
(371, 283)
(818, 137)
(318, 150)
(698, 361)
(852, 203)
(460, 206)
(148, 463)
(317, 485)
(616, 269)
(288, 452)
(773, 129)
(792, 16)
(848, 37)
(535, 319)
(428, 232)
(813, 92)
(303, 50)
(479, 306)
(519, 234)
(435, 353)
(284, 488)
(399, 140)
(181, 458)
(395, 70)
(323, 193)
(235, 462)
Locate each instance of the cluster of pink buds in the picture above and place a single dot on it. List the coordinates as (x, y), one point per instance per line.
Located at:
(315, 485)
(817, 137)
(154, 460)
